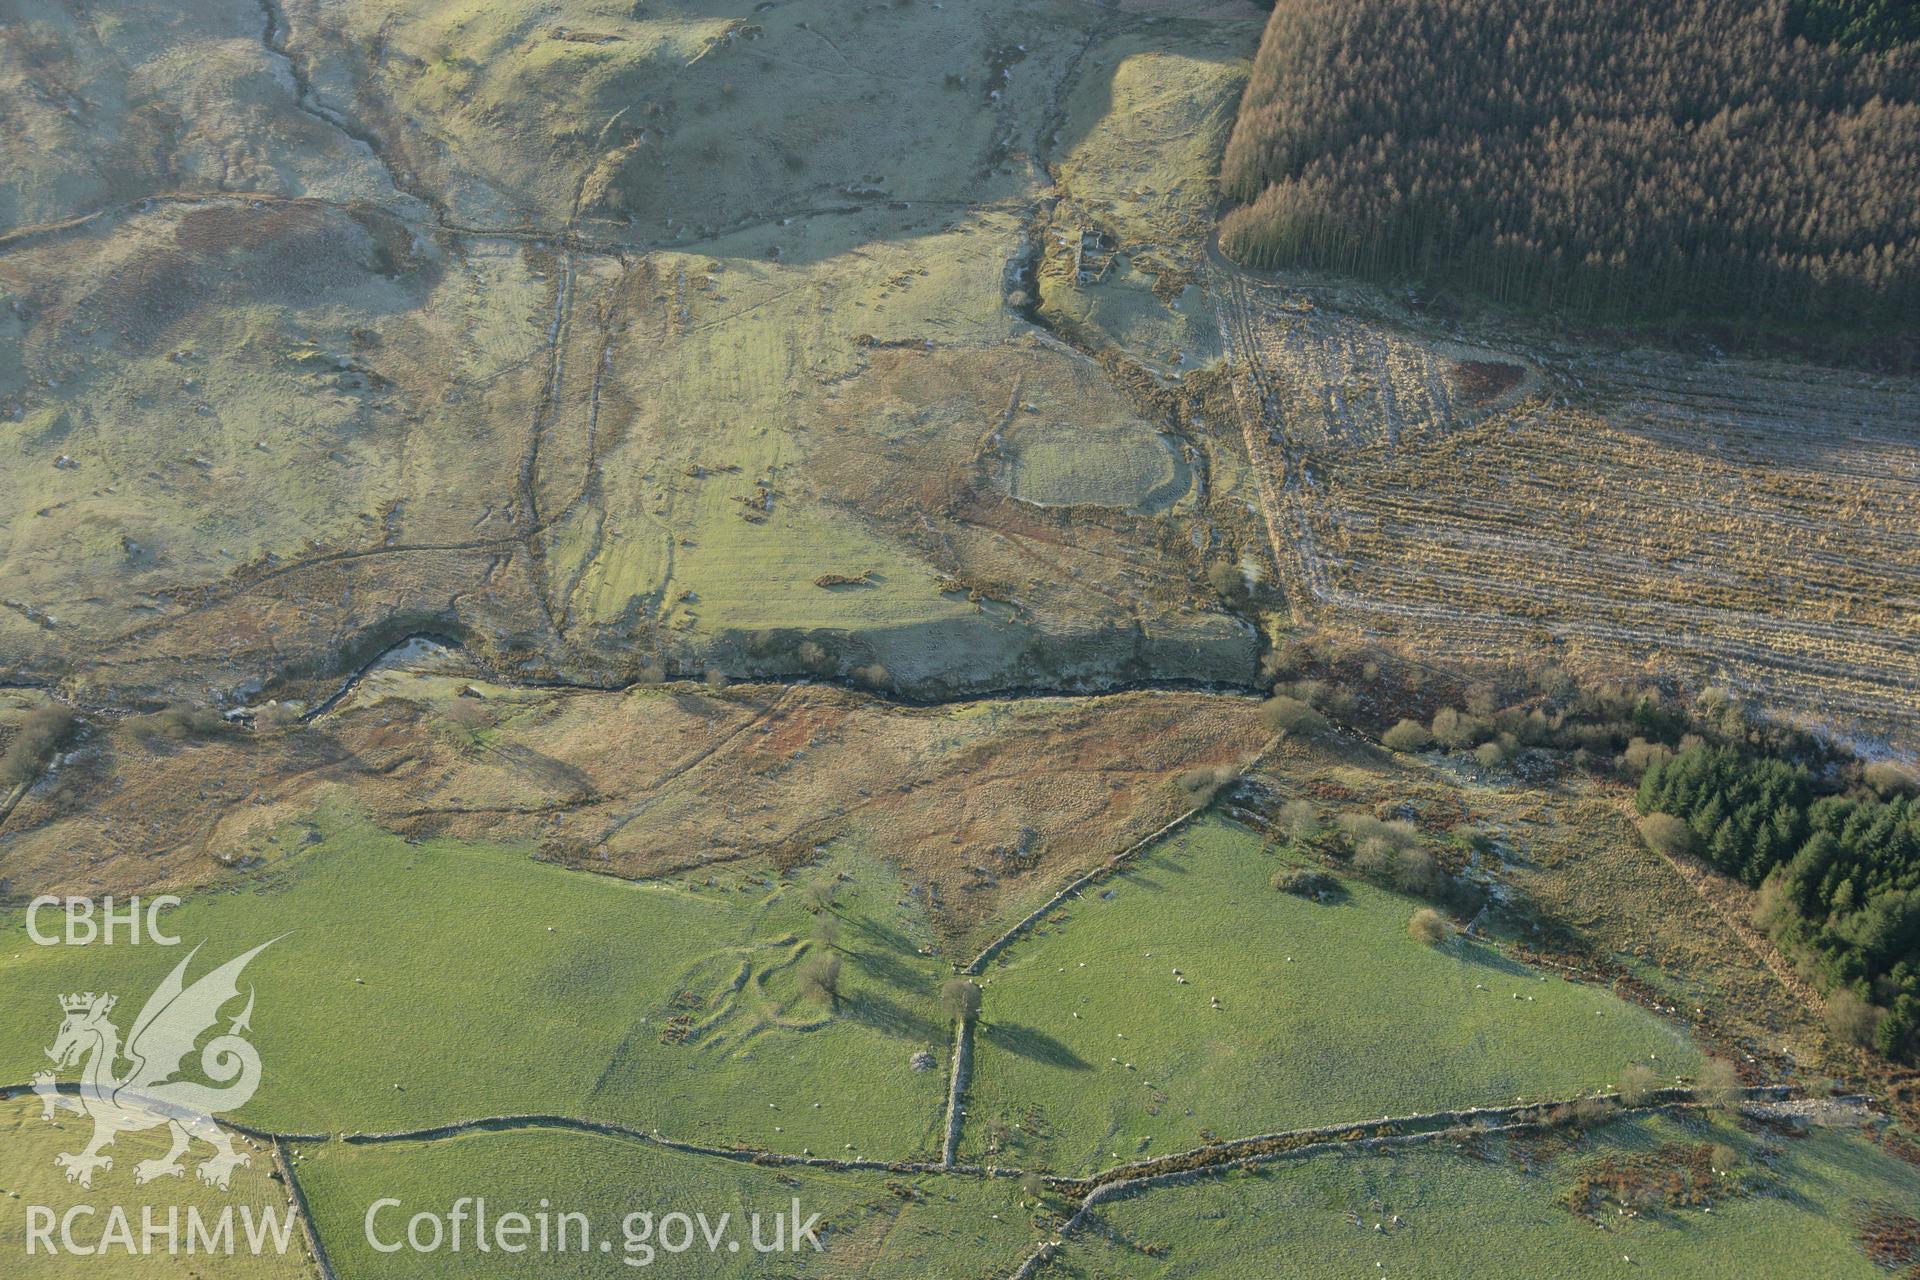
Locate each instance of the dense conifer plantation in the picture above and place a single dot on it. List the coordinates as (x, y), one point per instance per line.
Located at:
(1842, 872)
(1613, 158)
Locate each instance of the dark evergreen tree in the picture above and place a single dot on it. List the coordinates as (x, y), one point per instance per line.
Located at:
(1846, 869)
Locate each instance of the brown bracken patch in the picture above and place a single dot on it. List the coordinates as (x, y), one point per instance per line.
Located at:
(1478, 381)
(1677, 1176)
(1890, 1239)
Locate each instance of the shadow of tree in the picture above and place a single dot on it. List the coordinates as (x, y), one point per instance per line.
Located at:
(1030, 1042)
(892, 969)
(553, 772)
(884, 934)
(890, 1017)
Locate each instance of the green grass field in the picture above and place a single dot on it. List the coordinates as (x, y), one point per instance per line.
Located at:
(28, 1176)
(1495, 1215)
(417, 985)
(871, 1224)
(1328, 1013)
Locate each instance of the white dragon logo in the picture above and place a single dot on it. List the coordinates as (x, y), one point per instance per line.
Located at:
(146, 1095)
